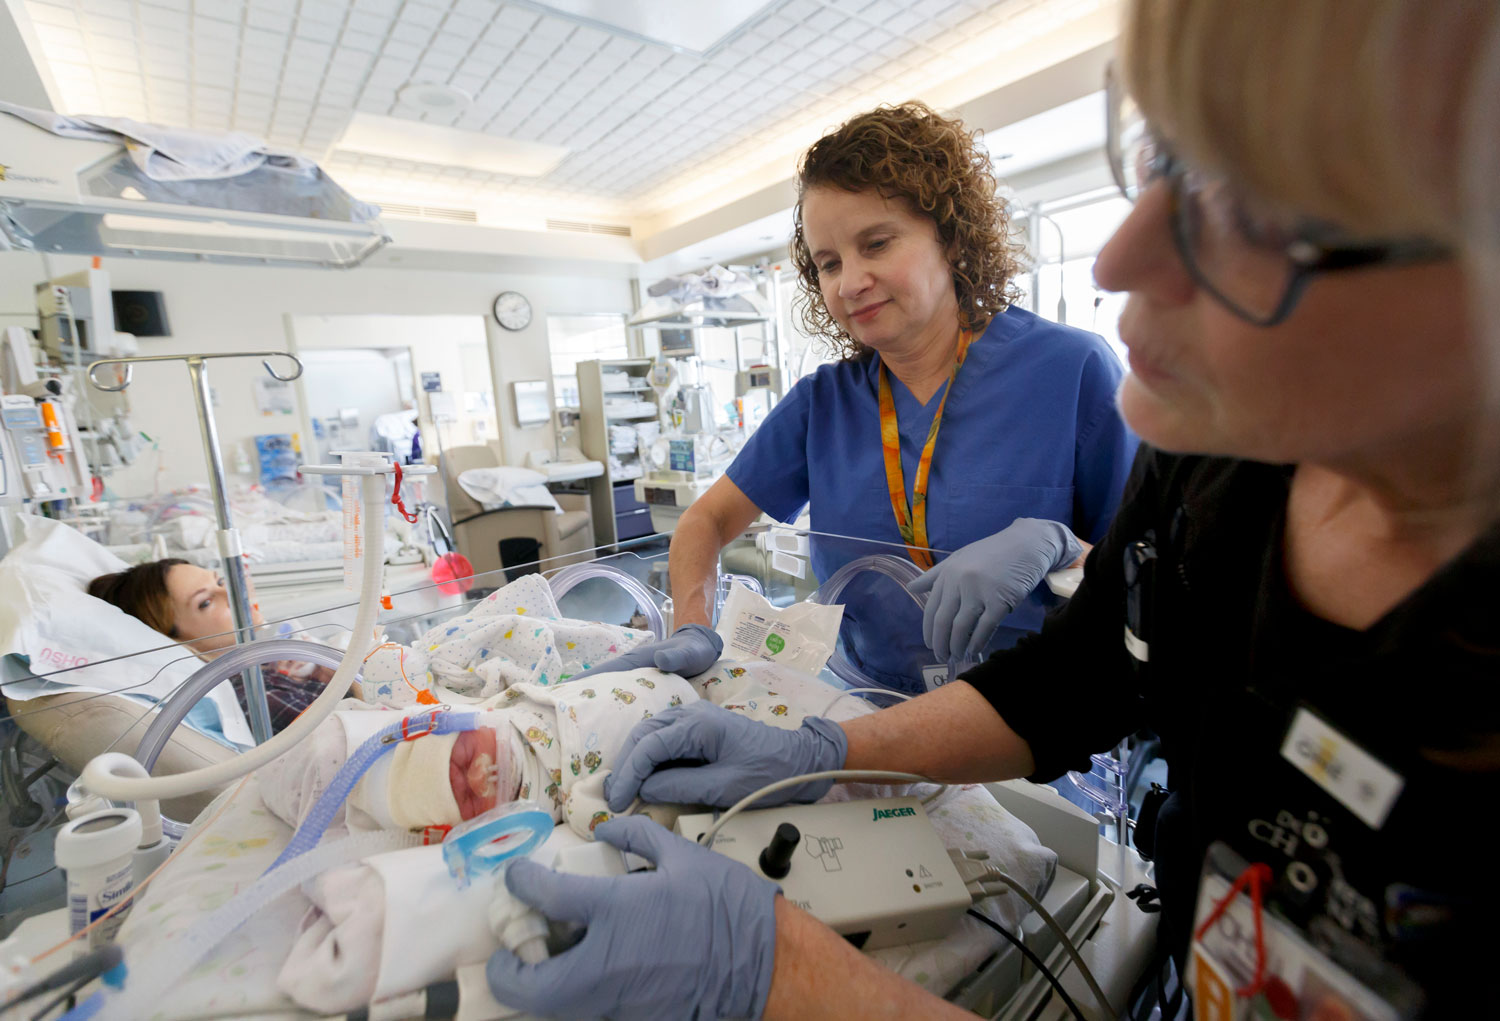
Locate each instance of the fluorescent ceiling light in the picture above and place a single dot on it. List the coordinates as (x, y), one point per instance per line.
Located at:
(681, 24)
(416, 142)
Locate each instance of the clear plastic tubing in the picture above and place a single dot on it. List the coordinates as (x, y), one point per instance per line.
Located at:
(903, 572)
(99, 779)
(229, 664)
(320, 816)
(565, 580)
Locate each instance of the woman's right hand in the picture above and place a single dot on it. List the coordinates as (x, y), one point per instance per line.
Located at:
(688, 652)
(716, 757)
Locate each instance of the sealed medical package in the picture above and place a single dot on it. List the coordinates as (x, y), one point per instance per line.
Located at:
(802, 635)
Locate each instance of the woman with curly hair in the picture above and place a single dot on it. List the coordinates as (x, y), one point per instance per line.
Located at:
(956, 421)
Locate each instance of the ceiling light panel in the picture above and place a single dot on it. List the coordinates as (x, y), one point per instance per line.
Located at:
(644, 126)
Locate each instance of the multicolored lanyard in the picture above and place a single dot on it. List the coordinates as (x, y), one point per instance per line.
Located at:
(912, 520)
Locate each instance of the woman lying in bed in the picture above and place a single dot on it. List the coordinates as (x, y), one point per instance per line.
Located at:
(189, 604)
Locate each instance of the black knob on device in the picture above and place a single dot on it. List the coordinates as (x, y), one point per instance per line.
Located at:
(776, 859)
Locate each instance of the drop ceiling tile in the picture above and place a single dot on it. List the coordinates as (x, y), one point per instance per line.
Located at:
(208, 28)
(464, 25)
(318, 31)
(129, 64)
(411, 34)
(774, 26)
(108, 8)
(401, 51)
(482, 11)
(437, 66)
(309, 52)
(53, 35)
(275, 21)
(223, 10)
(826, 46)
(70, 54)
(99, 26)
(361, 41)
(469, 83)
(448, 42)
(49, 14)
(416, 14)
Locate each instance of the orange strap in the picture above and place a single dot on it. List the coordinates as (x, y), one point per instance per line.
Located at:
(912, 520)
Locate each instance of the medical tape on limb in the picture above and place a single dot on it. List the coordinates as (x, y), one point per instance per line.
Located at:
(408, 728)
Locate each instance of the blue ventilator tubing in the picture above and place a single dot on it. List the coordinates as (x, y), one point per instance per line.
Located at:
(408, 728)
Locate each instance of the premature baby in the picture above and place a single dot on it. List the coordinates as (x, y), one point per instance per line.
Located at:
(552, 744)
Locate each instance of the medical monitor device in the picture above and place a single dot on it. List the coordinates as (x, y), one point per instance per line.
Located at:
(678, 344)
(874, 871)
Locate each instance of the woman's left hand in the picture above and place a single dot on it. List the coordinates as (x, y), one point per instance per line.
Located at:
(977, 587)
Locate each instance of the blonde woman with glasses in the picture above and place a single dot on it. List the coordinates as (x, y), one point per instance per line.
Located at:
(1305, 568)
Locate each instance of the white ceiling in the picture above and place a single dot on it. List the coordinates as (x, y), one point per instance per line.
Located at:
(646, 126)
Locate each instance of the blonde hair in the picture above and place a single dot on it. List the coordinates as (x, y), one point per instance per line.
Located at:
(1351, 111)
(1379, 116)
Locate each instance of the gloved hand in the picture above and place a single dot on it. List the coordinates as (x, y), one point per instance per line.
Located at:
(738, 756)
(694, 938)
(690, 650)
(977, 587)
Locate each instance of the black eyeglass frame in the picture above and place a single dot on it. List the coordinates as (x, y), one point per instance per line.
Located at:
(1307, 258)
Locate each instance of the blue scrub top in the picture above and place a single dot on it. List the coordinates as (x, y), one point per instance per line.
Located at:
(1031, 430)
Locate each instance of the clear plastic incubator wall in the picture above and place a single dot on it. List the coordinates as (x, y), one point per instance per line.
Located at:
(288, 878)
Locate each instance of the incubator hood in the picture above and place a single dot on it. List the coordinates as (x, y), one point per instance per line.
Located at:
(731, 310)
(72, 196)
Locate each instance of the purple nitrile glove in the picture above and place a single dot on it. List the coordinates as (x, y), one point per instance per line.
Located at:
(978, 586)
(716, 757)
(693, 938)
(689, 651)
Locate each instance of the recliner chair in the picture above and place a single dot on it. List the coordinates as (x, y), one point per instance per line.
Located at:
(565, 538)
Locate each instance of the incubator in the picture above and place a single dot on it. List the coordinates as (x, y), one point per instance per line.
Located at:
(230, 842)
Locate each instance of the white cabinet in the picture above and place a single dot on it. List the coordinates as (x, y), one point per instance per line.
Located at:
(615, 393)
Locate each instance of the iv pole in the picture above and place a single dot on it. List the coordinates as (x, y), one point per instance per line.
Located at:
(230, 550)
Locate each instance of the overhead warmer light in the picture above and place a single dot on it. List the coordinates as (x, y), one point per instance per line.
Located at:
(72, 196)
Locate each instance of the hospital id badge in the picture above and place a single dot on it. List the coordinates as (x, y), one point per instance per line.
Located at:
(1240, 971)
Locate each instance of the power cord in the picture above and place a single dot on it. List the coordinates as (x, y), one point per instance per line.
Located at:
(979, 877)
(863, 691)
(707, 839)
(1036, 962)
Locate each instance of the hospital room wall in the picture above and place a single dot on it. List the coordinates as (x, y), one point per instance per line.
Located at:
(221, 308)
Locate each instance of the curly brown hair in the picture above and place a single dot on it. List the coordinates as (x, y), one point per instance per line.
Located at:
(912, 152)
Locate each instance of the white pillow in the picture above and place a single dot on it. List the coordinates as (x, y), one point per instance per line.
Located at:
(505, 486)
(47, 615)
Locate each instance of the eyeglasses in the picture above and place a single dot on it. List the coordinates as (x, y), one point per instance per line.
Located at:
(1255, 261)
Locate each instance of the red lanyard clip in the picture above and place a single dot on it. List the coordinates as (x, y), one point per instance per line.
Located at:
(1257, 877)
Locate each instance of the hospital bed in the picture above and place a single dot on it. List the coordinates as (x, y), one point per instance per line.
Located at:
(975, 968)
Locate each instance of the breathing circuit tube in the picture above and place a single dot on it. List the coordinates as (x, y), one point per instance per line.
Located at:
(100, 779)
(409, 728)
(569, 577)
(899, 570)
(213, 673)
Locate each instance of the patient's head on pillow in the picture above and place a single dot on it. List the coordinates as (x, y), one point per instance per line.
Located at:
(182, 601)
